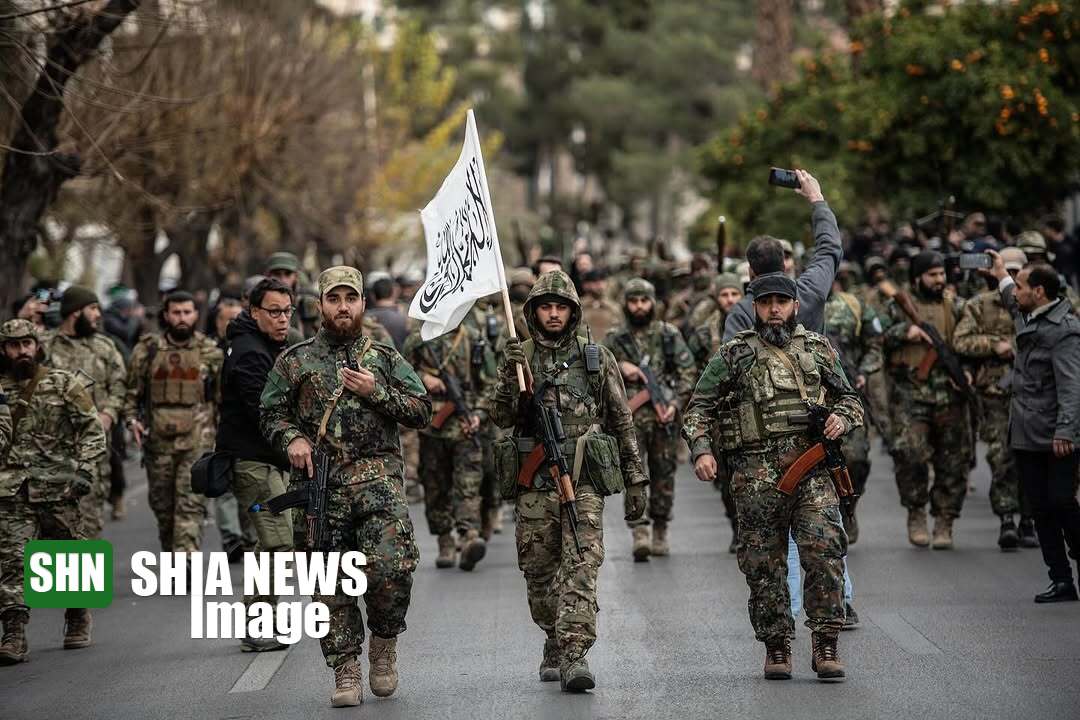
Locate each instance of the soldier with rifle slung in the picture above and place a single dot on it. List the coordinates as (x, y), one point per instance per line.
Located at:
(778, 399)
(557, 478)
(343, 395)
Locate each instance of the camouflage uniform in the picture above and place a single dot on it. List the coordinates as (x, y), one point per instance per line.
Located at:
(878, 384)
(749, 393)
(451, 464)
(930, 418)
(600, 315)
(489, 319)
(53, 455)
(366, 508)
(99, 362)
(561, 585)
(174, 386)
(659, 346)
(854, 330)
(984, 322)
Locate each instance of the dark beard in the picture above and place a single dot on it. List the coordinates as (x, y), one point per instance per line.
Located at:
(83, 327)
(928, 294)
(552, 336)
(180, 334)
(335, 337)
(780, 335)
(23, 368)
(641, 320)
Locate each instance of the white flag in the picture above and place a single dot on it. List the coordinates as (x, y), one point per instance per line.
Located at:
(464, 262)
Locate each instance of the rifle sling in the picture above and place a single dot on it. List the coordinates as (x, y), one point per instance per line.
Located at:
(365, 344)
(22, 404)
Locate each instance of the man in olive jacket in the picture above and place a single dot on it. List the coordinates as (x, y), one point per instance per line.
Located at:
(1044, 415)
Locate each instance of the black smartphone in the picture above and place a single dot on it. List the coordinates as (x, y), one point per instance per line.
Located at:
(783, 178)
(975, 261)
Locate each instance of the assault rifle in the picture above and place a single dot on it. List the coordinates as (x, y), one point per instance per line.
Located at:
(823, 450)
(939, 348)
(654, 392)
(311, 496)
(456, 404)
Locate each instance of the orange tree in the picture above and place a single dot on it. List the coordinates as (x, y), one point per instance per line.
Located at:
(977, 101)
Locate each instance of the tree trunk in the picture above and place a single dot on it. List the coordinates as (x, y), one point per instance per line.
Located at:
(773, 43)
(33, 170)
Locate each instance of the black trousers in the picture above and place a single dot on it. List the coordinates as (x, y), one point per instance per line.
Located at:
(1050, 483)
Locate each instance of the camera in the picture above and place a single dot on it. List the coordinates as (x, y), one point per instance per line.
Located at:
(783, 178)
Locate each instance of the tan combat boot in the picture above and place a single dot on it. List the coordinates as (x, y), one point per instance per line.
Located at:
(942, 533)
(77, 628)
(382, 658)
(549, 664)
(348, 680)
(660, 546)
(642, 548)
(447, 551)
(778, 659)
(917, 532)
(826, 661)
(13, 645)
(473, 549)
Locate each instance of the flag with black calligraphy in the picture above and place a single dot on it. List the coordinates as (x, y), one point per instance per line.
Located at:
(464, 262)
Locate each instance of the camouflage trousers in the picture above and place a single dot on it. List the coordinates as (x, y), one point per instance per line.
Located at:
(937, 436)
(371, 517)
(256, 482)
(856, 447)
(659, 447)
(877, 392)
(722, 482)
(20, 522)
(561, 586)
(451, 471)
(92, 505)
(179, 510)
(1005, 497)
(410, 452)
(766, 516)
(489, 493)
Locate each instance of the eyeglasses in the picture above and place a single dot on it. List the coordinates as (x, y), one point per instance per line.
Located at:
(277, 312)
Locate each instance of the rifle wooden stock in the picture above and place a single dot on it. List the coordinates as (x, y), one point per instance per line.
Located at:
(929, 360)
(842, 480)
(440, 418)
(565, 486)
(799, 469)
(638, 400)
(531, 466)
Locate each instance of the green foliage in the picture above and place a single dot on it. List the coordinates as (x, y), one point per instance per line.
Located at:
(979, 101)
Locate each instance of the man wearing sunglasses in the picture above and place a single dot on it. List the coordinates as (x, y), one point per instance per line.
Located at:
(256, 337)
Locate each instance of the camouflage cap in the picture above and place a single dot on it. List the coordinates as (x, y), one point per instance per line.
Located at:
(17, 329)
(521, 276)
(639, 287)
(282, 261)
(1014, 258)
(724, 281)
(1031, 241)
(339, 275)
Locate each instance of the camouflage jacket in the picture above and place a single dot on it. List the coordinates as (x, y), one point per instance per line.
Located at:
(454, 353)
(707, 338)
(903, 357)
(361, 433)
(583, 399)
(600, 315)
(661, 346)
(985, 322)
(174, 423)
(58, 436)
(97, 358)
(854, 330)
(731, 387)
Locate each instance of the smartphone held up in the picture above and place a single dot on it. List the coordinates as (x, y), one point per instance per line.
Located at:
(783, 178)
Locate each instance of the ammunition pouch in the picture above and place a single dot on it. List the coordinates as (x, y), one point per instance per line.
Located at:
(601, 467)
(507, 466)
(171, 422)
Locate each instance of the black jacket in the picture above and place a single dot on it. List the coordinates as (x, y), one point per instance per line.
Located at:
(248, 360)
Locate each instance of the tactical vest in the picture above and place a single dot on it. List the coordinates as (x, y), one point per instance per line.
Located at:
(941, 316)
(176, 377)
(769, 399)
(994, 319)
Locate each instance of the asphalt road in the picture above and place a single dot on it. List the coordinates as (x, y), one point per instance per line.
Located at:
(944, 635)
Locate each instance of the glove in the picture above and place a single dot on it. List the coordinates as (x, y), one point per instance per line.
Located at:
(81, 485)
(513, 354)
(635, 501)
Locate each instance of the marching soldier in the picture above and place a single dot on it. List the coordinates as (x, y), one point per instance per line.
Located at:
(854, 330)
(659, 375)
(764, 389)
(342, 394)
(451, 457)
(580, 384)
(985, 334)
(78, 347)
(931, 420)
(597, 312)
(172, 385)
(53, 445)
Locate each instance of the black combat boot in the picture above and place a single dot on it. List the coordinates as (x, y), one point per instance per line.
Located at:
(1008, 538)
(1028, 538)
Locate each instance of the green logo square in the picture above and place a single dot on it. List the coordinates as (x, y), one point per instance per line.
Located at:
(68, 573)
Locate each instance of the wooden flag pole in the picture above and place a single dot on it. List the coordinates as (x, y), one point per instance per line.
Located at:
(509, 310)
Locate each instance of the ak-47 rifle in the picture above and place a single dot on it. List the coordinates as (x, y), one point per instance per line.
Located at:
(311, 496)
(721, 243)
(456, 404)
(939, 350)
(823, 450)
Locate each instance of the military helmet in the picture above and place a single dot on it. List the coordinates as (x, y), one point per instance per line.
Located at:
(1031, 242)
(18, 329)
(639, 287)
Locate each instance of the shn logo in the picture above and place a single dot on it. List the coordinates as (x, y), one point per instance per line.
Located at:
(68, 573)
